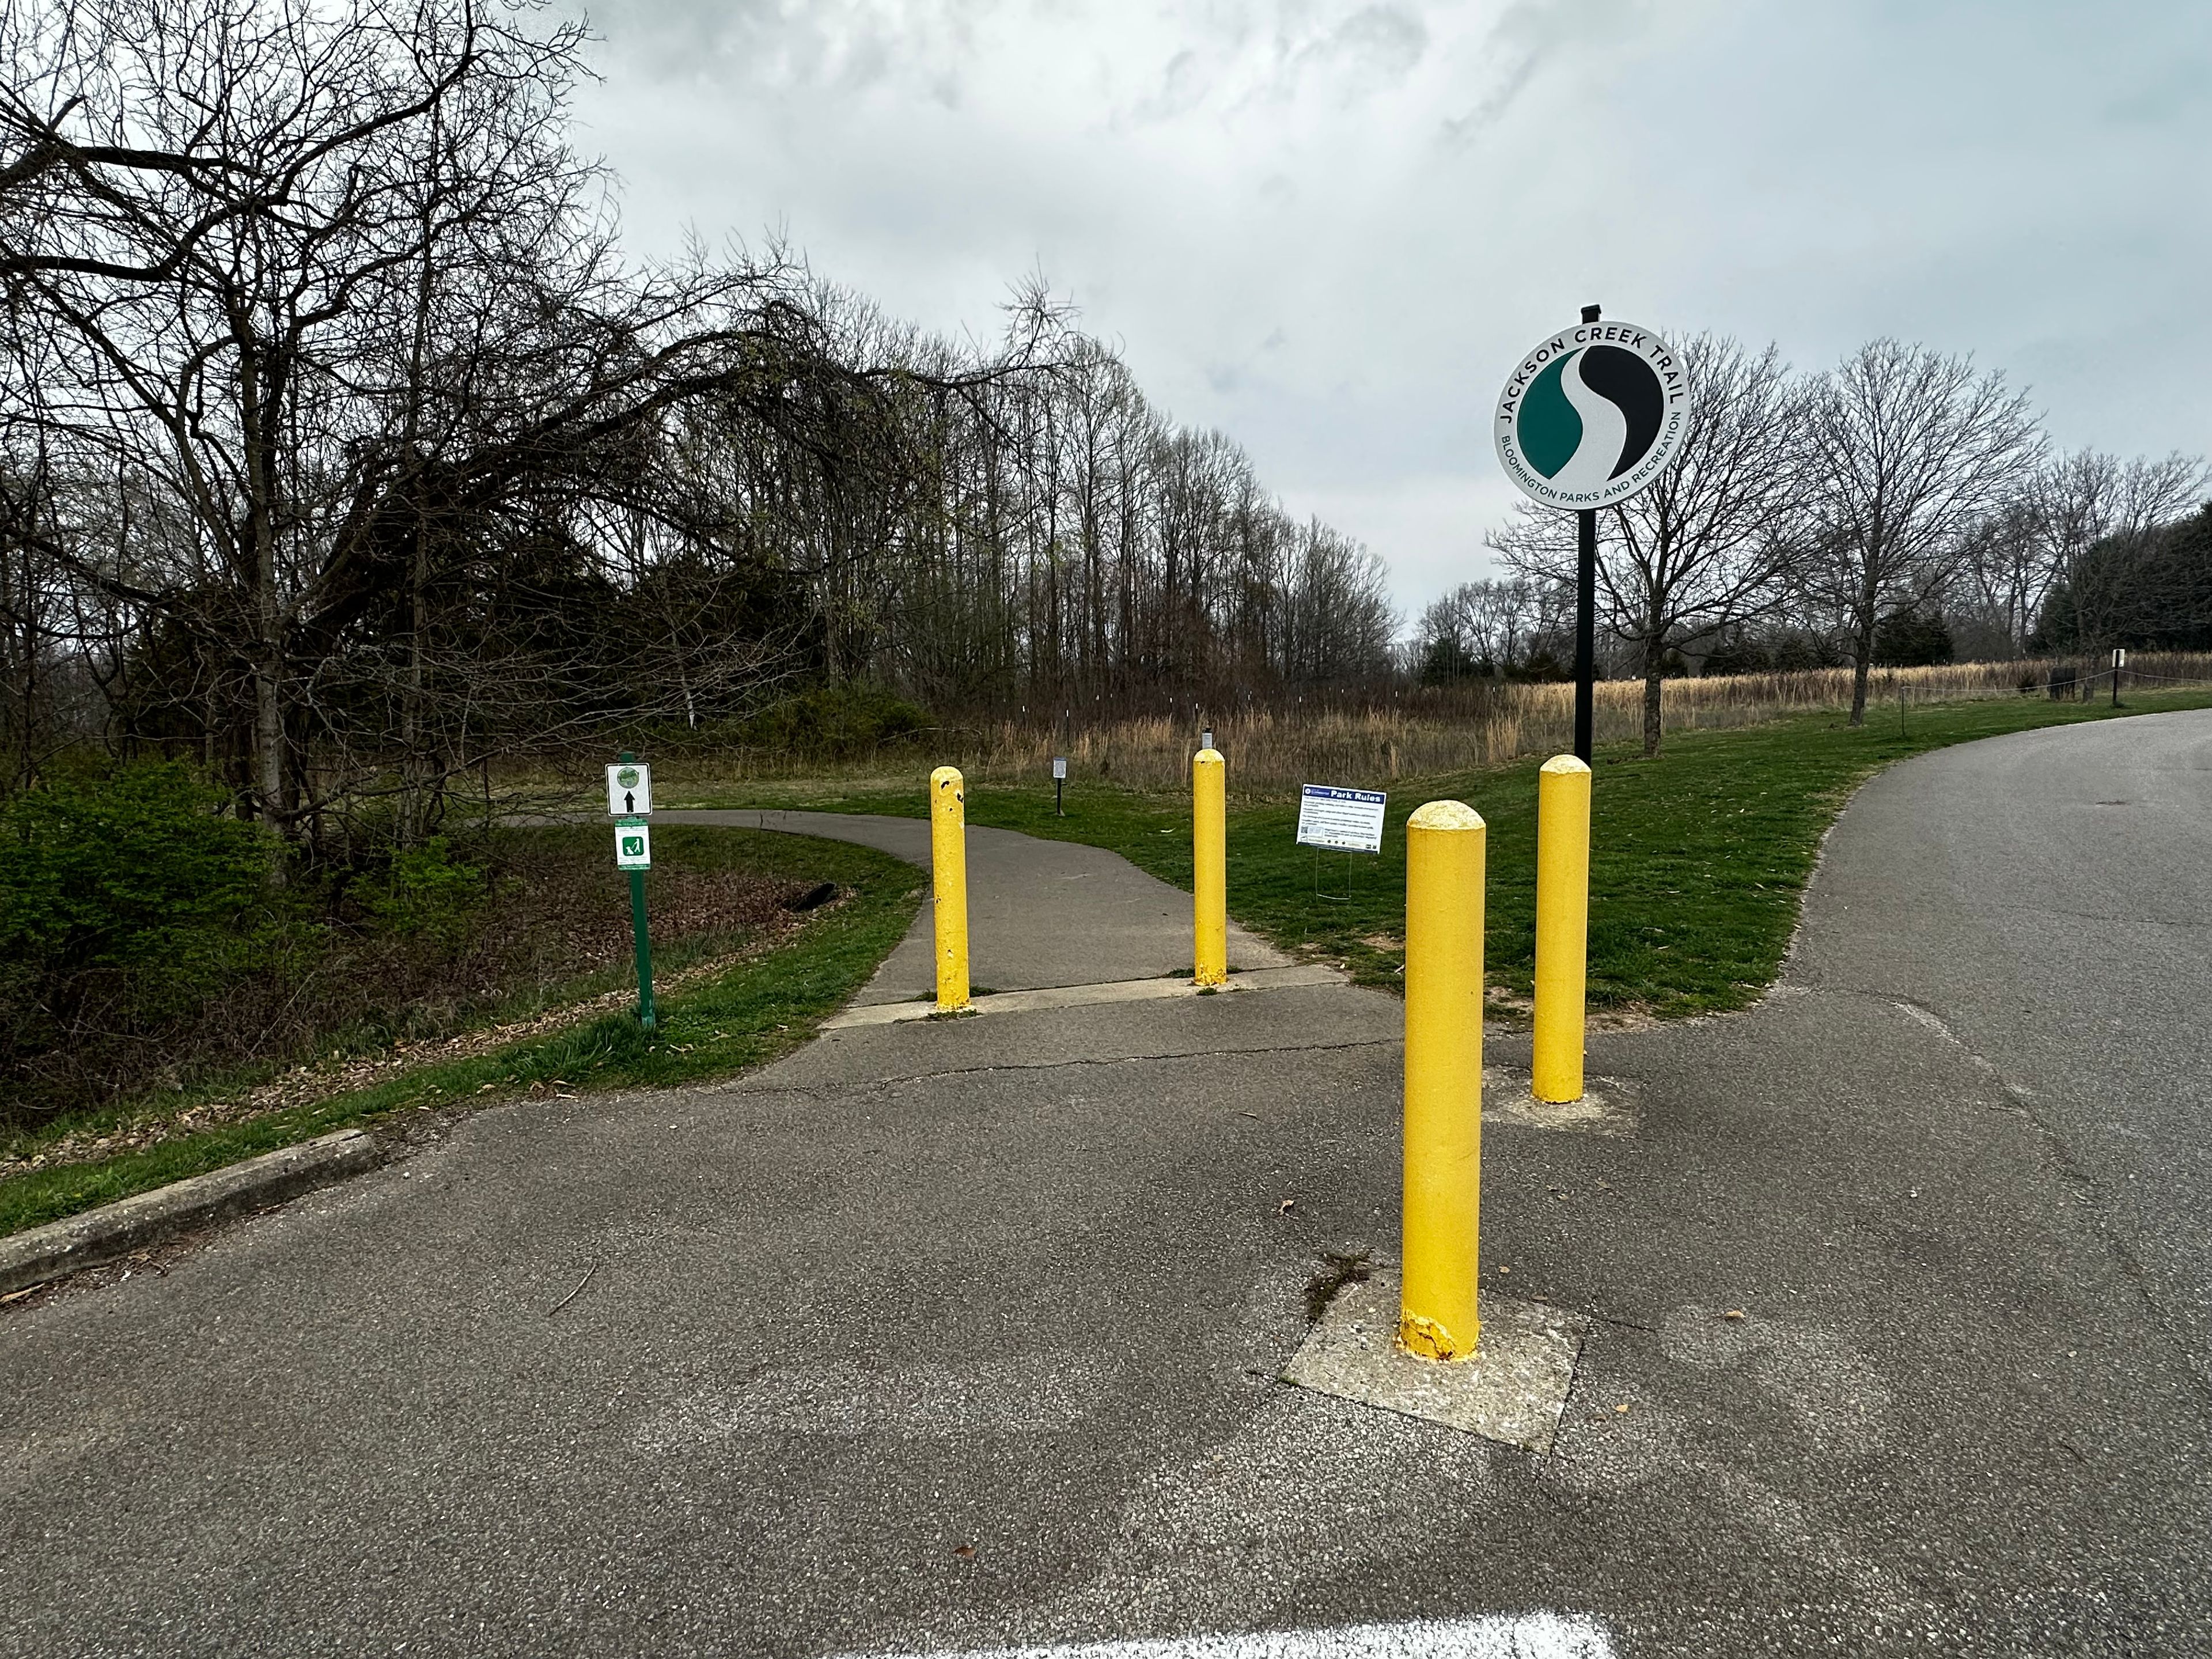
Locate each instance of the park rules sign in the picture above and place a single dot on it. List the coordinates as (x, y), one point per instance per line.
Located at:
(1349, 820)
(1592, 414)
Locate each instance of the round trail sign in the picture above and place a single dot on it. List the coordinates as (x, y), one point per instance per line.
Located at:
(1592, 414)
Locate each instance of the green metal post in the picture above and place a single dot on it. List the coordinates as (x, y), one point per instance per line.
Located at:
(644, 949)
(638, 932)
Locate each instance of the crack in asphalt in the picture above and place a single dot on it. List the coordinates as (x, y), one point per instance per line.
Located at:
(2020, 1100)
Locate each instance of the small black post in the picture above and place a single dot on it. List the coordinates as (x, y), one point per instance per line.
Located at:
(2119, 658)
(1585, 616)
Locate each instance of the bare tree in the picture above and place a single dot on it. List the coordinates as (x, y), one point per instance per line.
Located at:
(217, 211)
(1905, 450)
(2005, 560)
(2094, 517)
(325, 286)
(1706, 545)
(1495, 629)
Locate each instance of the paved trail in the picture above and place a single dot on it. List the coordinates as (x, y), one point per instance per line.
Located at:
(947, 1335)
(1040, 913)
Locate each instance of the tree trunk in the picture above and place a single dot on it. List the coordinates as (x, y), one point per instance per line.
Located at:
(268, 731)
(412, 812)
(1657, 632)
(269, 747)
(1862, 660)
(1869, 607)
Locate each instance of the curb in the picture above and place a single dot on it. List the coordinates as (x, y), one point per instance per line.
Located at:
(40, 1254)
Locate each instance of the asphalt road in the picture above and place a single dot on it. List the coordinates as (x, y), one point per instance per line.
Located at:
(958, 1336)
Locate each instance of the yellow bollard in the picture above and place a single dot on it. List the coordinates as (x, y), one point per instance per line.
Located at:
(1445, 842)
(948, 858)
(1209, 872)
(1563, 823)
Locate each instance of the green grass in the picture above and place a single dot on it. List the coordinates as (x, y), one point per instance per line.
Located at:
(751, 1014)
(1699, 856)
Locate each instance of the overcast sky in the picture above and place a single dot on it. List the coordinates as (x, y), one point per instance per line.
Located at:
(1329, 228)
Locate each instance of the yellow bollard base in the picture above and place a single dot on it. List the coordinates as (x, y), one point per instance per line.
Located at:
(1424, 1339)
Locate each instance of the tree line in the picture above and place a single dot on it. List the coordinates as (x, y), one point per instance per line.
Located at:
(343, 451)
(1870, 512)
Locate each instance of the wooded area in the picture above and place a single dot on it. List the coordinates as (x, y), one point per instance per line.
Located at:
(344, 452)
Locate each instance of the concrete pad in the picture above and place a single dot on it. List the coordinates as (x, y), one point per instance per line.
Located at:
(1513, 1391)
(1085, 996)
(1608, 1106)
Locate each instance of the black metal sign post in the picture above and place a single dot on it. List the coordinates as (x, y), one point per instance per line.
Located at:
(1585, 630)
(1585, 615)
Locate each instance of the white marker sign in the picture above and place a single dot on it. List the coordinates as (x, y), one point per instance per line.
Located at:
(629, 789)
(1592, 416)
(1350, 820)
(1060, 766)
(633, 847)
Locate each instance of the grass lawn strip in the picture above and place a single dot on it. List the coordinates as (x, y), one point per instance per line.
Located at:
(724, 1024)
(1699, 856)
(307, 1085)
(577, 919)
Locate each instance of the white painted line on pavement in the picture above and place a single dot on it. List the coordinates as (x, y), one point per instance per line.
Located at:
(1493, 1636)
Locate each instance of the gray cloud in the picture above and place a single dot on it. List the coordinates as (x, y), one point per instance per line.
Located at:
(1251, 196)
(819, 46)
(1529, 34)
(1375, 48)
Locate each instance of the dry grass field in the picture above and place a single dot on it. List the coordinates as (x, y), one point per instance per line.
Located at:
(1427, 734)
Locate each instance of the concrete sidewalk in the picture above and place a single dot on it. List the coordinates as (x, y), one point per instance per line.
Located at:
(964, 1334)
